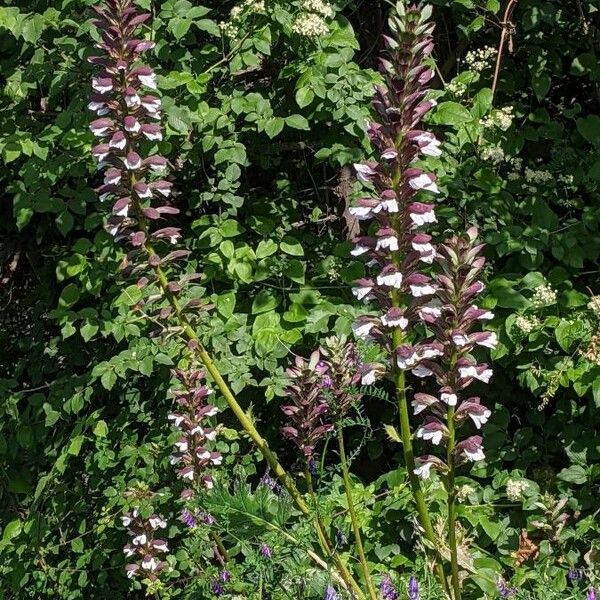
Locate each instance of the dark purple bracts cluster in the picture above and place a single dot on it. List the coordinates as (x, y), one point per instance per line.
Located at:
(449, 360)
(394, 245)
(308, 411)
(194, 457)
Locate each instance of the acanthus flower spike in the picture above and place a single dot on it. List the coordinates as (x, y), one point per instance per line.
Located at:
(399, 206)
(454, 370)
(194, 458)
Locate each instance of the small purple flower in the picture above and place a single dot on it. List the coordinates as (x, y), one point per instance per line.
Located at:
(340, 538)
(330, 593)
(269, 482)
(264, 550)
(387, 589)
(225, 576)
(217, 588)
(413, 588)
(188, 518)
(207, 519)
(505, 591)
(591, 594)
(327, 382)
(575, 576)
(312, 466)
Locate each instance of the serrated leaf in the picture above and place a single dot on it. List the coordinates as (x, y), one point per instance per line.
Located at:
(392, 433)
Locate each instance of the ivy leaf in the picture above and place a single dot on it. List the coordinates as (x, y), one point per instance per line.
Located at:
(291, 245)
(295, 271)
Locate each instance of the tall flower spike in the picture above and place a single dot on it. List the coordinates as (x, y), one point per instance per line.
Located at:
(127, 130)
(454, 370)
(309, 408)
(343, 375)
(452, 364)
(194, 457)
(144, 547)
(398, 205)
(395, 248)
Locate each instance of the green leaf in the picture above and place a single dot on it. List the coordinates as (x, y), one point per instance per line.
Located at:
(574, 474)
(75, 445)
(540, 82)
(264, 301)
(274, 126)
(291, 245)
(88, 331)
(108, 379)
(304, 96)
(505, 294)
(69, 296)
(295, 271)
(101, 429)
(226, 304)
(265, 248)
(452, 113)
(297, 122)
(11, 530)
(589, 128)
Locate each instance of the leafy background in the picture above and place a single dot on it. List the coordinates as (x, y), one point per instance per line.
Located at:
(262, 129)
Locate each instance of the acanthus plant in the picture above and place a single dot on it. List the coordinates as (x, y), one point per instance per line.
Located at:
(396, 246)
(454, 370)
(127, 126)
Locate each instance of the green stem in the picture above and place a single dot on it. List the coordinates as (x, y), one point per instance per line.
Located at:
(190, 335)
(409, 459)
(451, 489)
(355, 525)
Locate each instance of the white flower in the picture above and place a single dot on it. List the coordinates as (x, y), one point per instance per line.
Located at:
(157, 522)
(361, 329)
(358, 250)
(515, 489)
(433, 435)
(543, 296)
(369, 377)
(475, 455)
(360, 212)
(480, 418)
(310, 25)
(388, 241)
(421, 371)
(362, 292)
(423, 182)
(419, 291)
(423, 470)
(390, 205)
(480, 59)
(399, 321)
(450, 398)
(460, 339)
(390, 279)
